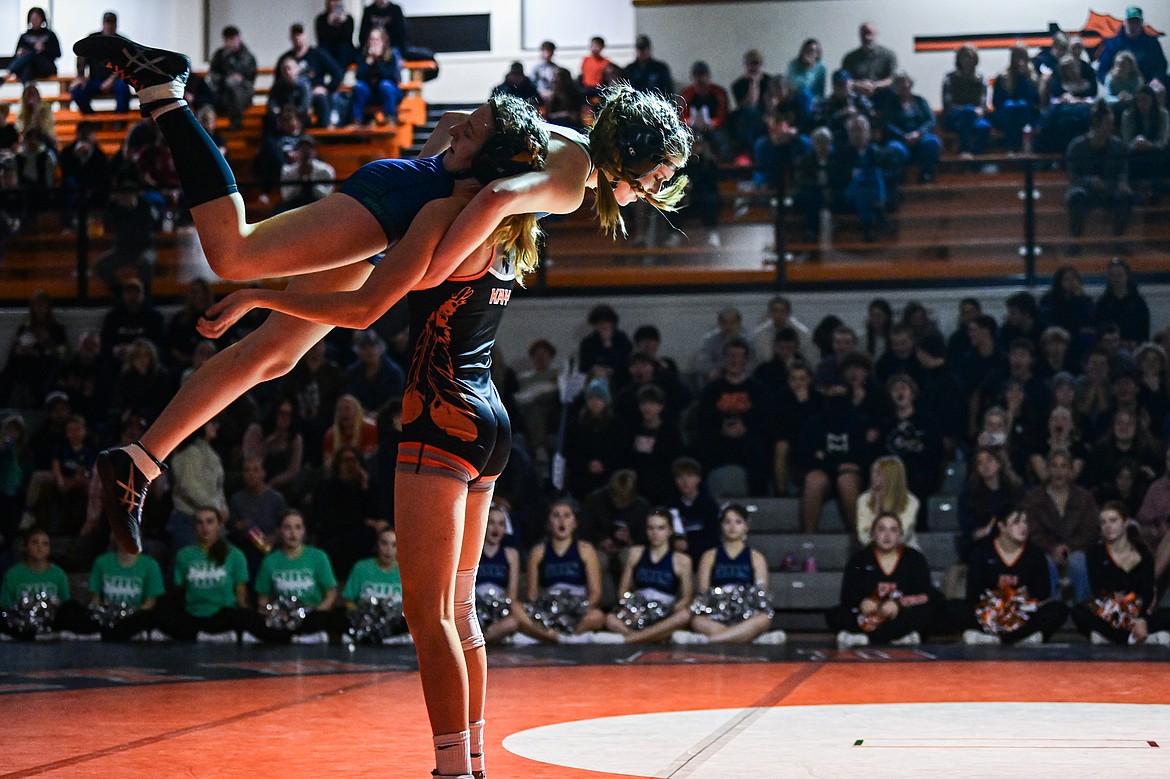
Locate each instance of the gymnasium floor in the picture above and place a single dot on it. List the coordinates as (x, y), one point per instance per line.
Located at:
(169, 710)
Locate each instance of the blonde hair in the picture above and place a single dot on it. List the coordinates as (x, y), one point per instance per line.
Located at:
(523, 143)
(895, 494)
(352, 437)
(621, 107)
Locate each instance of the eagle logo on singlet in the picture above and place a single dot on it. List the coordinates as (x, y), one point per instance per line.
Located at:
(430, 384)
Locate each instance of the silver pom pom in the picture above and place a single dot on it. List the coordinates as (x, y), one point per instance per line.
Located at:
(732, 603)
(110, 614)
(376, 619)
(491, 605)
(285, 613)
(32, 613)
(637, 612)
(559, 610)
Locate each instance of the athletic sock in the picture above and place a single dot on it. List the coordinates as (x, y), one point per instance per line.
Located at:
(203, 171)
(144, 461)
(477, 745)
(452, 753)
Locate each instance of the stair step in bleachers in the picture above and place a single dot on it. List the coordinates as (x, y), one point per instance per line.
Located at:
(833, 550)
(780, 515)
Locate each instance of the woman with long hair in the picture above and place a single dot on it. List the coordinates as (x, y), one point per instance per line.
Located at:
(1123, 609)
(376, 79)
(350, 427)
(654, 573)
(37, 50)
(1145, 129)
(1016, 98)
(732, 563)
(991, 487)
(887, 494)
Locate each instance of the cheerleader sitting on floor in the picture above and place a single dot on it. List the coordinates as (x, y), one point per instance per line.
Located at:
(656, 584)
(1121, 573)
(732, 606)
(373, 597)
(497, 583)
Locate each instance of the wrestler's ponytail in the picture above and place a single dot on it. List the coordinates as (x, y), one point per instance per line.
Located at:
(634, 133)
(520, 145)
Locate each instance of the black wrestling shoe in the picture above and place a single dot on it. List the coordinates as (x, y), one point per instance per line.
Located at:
(137, 65)
(124, 488)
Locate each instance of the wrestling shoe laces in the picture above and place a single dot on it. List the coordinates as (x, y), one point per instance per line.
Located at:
(124, 488)
(139, 66)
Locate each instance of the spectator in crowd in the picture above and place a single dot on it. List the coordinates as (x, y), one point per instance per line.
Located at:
(1007, 567)
(871, 65)
(1153, 519)
(36, 169)
(705, 109)
(964, 99)
(1016, 98)
(373, 378)
(1063, 520)
(1065, 305)
(983, 358)
(991, 489)
(131, 317)
(279, 446)
(1123, 305)
(38, 349)
(289, 89)
(1098, 174)
(1068, 96)
(1061, 435)
(647, 74)
(335, 30)
(37, 50)
(898, 351)
(887, 494)
(319, 69)
(829, 376)
(654, 445)
(1054, 357)
(566, 104)
(1122, 83)
(1121, 569)
(908, 123)
(307, 179)
(197, 478)
(1126, 439)
(231, 74)
(593, 67)
(376, 79)
(733, 419)
(348, 510)
(315, 383)
(605, 352)
(657, 572)
(1142, 44)
(913, 436)
(382, 14)
(763, 335)
(517, 84)
(778, 149)
(648, 341)
(94, 78)
(16, 469)
(613, 516)
(593, 441)
(295, 570)
(544, 75)
(278, 149)
(182, 338)
(796, 402)
(1094, 393)
(813, 184)
(834, 449)
(861, 177)
(707, 362)
(255, 510)
(72, 465)
(562, 563)
(85, 172)
(1145, 131)
(131, 218)
(350, 427)
(693, 508)
(704, 202)
(959, 341)
(732, 562)
(938, 386)
(785, 356)
(885, 591)
(750, 91)
(1127, 485)
(538, 398)
(879, 320)
(806, 73)
(1153, 400)
(842, 104)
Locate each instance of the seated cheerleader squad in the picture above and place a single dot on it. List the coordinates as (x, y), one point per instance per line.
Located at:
(562, 590)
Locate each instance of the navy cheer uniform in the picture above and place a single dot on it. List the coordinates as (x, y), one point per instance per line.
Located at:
(453, 421)
(989, 571)
(1107, 578)
(395, 190)
(493, 570)
(563, 572)
(729, 570)
(658, 577)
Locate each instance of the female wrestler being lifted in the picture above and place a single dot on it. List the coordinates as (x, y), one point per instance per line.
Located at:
(633, 150)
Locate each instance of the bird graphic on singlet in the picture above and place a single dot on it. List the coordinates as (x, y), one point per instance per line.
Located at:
(430, 384)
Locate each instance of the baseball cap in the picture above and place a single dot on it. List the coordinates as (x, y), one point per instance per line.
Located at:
(1133, 12)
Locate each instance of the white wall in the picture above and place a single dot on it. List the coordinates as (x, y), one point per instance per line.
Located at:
(682, 34)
